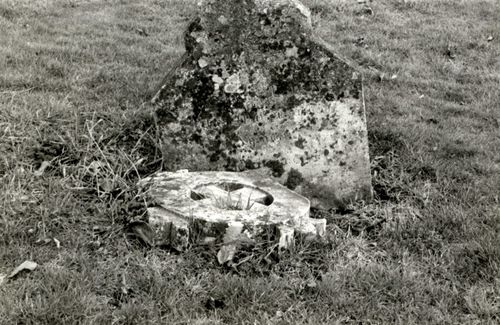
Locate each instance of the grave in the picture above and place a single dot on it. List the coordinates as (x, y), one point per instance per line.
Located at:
(257, 90)
(227, 209)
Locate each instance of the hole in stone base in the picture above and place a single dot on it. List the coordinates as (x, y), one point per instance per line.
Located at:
(232, 196)
(231, 187)
(267, 200)
(196, 196)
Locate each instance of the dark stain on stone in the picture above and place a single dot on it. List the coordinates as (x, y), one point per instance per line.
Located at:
(277, 168)
(300, 143)
(218, 229)
(294, 179)
(249, 164)
(189, 40)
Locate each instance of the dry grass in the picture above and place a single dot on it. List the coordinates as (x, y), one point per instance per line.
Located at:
(75, 75)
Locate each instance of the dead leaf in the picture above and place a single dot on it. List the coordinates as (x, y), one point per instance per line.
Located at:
(142, 231)
(58, 243)
(216, 79)
(292, 52)
(39, 172)
(142, 32)
(95, 167)
(233, 84)
(213, 303)
(311, 284)
(3, 278)
(226, 253)
(125, 288)
(223, 20)
(25, 266)
(202, 63)
(107, 185)
(43, 241)
(232, 240)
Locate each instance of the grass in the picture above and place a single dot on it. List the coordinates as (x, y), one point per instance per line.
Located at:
(228, 203)
(75, 77)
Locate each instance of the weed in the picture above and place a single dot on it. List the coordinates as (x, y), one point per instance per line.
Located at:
(229, 203)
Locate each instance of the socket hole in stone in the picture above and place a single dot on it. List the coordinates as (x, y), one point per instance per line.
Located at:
(267, 200)
(231, 187)
(197, 196)
(232, 196)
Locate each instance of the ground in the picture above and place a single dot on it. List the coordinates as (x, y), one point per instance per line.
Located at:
(75, 82)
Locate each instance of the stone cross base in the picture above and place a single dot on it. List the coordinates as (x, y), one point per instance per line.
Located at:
(227, 209)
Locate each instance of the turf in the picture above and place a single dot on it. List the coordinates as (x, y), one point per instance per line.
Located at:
(76, 77)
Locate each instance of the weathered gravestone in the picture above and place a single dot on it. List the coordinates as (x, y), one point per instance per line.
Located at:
(257, 89)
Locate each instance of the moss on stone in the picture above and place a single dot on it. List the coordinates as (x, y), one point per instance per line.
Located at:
(277, 168)
(294, 179)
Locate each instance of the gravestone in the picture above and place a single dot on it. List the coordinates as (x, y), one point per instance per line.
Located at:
(257, 89)
(226, 209)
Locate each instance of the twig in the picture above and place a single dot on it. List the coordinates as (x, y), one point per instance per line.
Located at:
(14, 92)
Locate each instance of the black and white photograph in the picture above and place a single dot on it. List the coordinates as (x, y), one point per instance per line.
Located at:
(249, 162)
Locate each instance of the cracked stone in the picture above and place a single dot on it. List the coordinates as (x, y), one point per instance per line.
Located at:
(227, 208)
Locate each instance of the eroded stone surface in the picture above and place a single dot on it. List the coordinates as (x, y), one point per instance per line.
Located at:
(256, 89)
(226, 207)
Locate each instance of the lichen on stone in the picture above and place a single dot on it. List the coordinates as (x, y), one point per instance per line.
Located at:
(294, 179)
